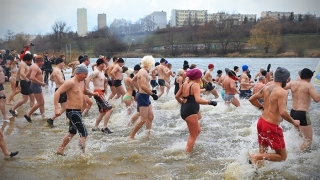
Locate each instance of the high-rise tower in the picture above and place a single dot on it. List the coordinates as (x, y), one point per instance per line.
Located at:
(82, 21)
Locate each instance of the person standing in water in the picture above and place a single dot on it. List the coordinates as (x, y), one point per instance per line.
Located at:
(302, 93)
(76, 91)
(189, 98)
(269, 132)
(229, 84)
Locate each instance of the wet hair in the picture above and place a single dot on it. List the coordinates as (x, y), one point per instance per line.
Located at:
(27, 57)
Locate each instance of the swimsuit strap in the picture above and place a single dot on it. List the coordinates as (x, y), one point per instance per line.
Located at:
(190, 88)
(189, 91)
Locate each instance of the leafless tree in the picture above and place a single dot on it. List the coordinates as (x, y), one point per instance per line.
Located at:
(59, 35)
(9, 35)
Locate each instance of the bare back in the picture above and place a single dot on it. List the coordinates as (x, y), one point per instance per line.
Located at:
(229, 85)
(301, 94)
(161, 71)
(275, 99)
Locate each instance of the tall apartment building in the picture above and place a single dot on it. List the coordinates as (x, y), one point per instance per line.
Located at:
(82, 21)
(102, 21)
(181, 18)
(154, 21)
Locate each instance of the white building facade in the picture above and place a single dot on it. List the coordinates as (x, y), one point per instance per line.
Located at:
(82, 22)
(181, 18)
(102, 21)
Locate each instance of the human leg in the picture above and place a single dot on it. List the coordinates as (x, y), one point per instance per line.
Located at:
(106, 118)
(144, 116)
(39, 104)
(98, 120)
(278, 156)
(161, 91)
(113, 92)
(3, 105)
(194, 131)
(149, 119)
(67, 138)
(13, 90)
(235, 102)
(307, 134)
(22, 101)
(134, 118)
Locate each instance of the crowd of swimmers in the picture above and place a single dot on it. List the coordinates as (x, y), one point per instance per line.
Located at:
(268, 91)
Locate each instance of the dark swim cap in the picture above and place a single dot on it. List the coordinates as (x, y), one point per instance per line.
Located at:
(281, 74)
(306, 73)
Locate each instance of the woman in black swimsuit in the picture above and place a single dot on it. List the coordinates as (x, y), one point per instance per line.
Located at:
(189, 98)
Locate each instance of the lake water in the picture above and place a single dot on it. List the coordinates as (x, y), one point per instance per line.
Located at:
(228, 134)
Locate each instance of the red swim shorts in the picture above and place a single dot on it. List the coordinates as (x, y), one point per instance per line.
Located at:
(270, 135)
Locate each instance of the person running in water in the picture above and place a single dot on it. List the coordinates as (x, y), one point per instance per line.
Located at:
(270, 133)
(76, 91)
(189, 98)
(302, 93)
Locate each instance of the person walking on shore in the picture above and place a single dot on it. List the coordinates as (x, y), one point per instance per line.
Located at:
(270, 134)
(302, 93)
(76, 91)
(57, 77)
(36, 79)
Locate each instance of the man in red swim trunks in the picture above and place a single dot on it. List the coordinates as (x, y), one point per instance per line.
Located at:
(269, 132)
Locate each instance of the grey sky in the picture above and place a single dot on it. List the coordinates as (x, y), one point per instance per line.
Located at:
(37, 16)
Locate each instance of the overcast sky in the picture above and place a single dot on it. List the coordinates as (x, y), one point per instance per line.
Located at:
(37, 16)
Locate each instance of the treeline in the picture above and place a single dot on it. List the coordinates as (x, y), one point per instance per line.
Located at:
(220, 37)
(61, 40)
(227, 36)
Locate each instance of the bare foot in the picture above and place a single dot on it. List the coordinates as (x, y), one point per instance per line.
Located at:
(9, 103)
(130, 138)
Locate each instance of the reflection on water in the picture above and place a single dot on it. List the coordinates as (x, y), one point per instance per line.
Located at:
(220, 152)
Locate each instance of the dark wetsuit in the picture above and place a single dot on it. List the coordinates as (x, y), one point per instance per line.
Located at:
(190, 107)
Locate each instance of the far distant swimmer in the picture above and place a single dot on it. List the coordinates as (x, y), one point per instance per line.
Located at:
(189, 98)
